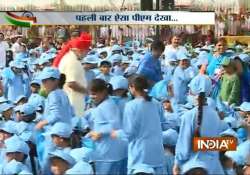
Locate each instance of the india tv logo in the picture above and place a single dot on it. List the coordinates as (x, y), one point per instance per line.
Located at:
(214, 144)
(27, 19)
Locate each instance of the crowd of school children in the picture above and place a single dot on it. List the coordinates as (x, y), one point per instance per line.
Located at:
(142, 108)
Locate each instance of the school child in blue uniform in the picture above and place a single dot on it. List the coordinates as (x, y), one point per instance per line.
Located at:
(15, 167)
(57, 105)
(29, 138)
(170, 64)
(181, 79)
(89, 63)
(105, 68)
(60, 162)
(6, 109)
(15, 84)
(172, 119)
(150, 65)
(26, 118)
(201, 121)
(145, 150)
(60, 136)
(120, 90)
(16, 149)
(83, 157)
(116, 63)
(35, 99)
(169, 141)
(110, 154)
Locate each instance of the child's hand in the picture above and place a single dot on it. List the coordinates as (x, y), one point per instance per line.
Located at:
(176, 170)
(95, 135)
(41, 124)
(113, 134)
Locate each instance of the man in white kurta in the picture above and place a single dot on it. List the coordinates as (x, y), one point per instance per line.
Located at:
(75, 85)
(3, 47)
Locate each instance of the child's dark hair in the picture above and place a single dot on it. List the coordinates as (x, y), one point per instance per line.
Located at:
(196, 171)
(105, 63)
(99, 85)
(158, 45)
(201, 102)
(140, 83)
(62, 80)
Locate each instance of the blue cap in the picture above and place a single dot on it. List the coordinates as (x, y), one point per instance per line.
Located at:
(27, 136)
(143, 169)
(80, 168)
(22, 126)
(231, 121)
(136, 43)
(229, 132)
(5, 106)
(19, 98)
(32, 51)
(244, 57)
(236, 157)
(105, 62)
(115, 58)
(9, 127)
(90, 59)
(35, 81)
(20, 56)
(197, 50)
(181, 55)
(170, 137)
(200, 83)
(17, 64)
(202, 58)
(52, 51)
(15, 144)
(17, 108)
(126, 60)
(116, 48)
(49, 72)
(193, 163)
(43, 59)
(159, 90)
(61, 129)
(82, 154)
(119, 82)
(170, 56)
(27, 109)
(245, 106)
(66, 157)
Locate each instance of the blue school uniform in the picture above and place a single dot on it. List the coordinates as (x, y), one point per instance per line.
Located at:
(15, 86)
(180, 85)
(106, 77)
(150, 68)
(36, 100)
(210, 127)
(57, 107)
(172, 120)
(89, 75)
(110, 154)
(145, 145)
(117, 71)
